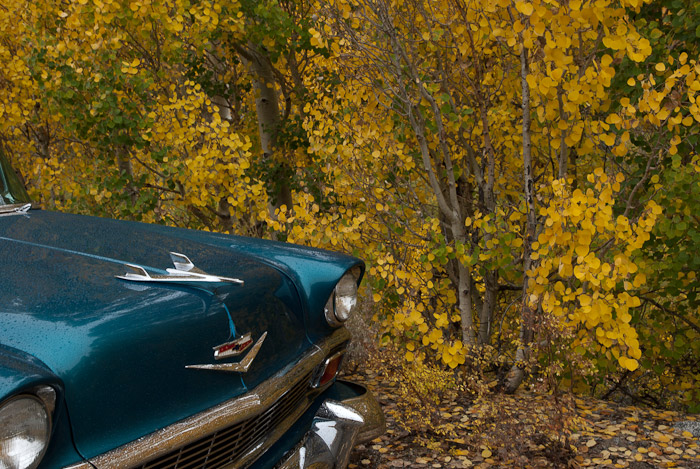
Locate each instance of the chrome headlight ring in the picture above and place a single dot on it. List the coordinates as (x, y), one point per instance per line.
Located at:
(343, 300)
(25, 428)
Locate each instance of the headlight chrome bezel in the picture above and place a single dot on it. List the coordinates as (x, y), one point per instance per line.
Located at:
(43, 401)
(343, 300)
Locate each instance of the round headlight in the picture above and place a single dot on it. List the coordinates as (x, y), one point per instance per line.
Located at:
(343, 300)
(25, 427)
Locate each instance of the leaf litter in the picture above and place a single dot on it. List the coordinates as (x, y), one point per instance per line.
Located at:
(521, 430)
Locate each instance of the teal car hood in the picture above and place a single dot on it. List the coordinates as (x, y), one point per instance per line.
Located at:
(121, 348)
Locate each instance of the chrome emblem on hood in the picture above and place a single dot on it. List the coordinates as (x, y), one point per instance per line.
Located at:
(233, 348)
(240, 367)
(184, 272)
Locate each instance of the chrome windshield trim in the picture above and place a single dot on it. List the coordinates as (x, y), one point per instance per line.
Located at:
(221, 416)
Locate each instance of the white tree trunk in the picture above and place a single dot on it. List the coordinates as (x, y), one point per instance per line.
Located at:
(268, 113)
(517, 372)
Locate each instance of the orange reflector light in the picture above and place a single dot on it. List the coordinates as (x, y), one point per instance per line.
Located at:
(331, 370)
(328, 370)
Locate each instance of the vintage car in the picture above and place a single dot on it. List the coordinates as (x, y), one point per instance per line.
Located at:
(129, 345)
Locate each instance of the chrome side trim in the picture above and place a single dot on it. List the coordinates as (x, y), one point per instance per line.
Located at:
(221, 416)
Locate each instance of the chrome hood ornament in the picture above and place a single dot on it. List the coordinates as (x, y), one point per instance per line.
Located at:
(240, 367)
(184, 272)
(15, 209)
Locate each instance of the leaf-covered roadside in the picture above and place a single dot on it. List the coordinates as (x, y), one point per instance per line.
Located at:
(501, 430)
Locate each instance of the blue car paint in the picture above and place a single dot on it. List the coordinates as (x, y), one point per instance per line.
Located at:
(20, 371)
(314, 271)
(120, 348)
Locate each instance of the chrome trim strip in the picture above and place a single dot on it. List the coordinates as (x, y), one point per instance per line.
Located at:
(221, 416)
(48, 395)
(240, 367)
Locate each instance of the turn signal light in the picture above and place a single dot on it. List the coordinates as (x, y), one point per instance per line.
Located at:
(328, 370)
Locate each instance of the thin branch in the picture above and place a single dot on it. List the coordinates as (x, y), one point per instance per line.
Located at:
(672, 313)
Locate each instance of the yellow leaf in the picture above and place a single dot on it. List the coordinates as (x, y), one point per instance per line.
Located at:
(608, 139)
(628, 363)
(540, 28)
(525, 8)
(581, 250)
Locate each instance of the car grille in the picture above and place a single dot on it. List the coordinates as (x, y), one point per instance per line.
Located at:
(229, 444)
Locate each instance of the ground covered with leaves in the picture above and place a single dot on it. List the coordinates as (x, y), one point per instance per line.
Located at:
(527, 430)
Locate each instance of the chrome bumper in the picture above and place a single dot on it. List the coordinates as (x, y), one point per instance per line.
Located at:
(336, 428)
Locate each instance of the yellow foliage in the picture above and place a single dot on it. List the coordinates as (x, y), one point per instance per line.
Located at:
(586, 259)
(359, 172)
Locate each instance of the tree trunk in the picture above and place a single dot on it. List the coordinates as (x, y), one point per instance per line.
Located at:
(124, 166)
(268, 113)
(488, 307)
(517, 372)
(450, 210)
(488, 199)
(465, 305)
